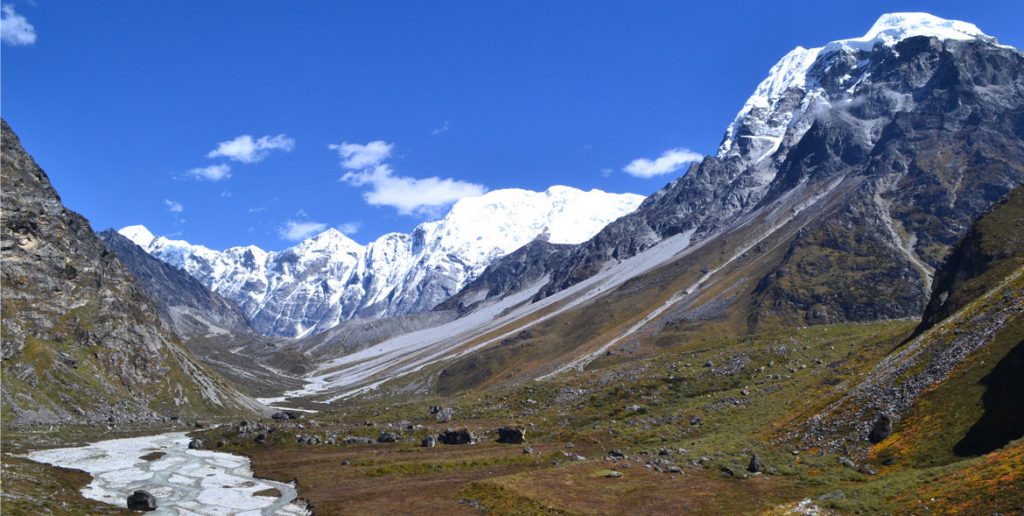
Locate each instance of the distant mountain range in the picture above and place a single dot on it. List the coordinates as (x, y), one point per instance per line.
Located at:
(329, 278)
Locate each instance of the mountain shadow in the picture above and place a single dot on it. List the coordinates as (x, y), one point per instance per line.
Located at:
(1003, 420)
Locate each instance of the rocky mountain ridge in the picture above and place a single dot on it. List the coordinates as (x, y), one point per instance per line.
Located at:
(81, 340)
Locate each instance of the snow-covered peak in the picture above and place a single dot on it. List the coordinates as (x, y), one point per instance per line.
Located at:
(138, 234)
(894, 27)
(331, 240)
(761, 114)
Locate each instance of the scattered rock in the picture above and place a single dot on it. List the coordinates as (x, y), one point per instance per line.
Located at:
(616, 454)
(388, 437)
(429, 441)
(847, 463)
(695, 420)
(453, 437)
(510, 435)
(527, 450)
(195, 444)
(272, 492)
(150, 457)
(260, 438)
(442, 414)
(614, 474)
(881, 429)
(755, 465)
(142, 501)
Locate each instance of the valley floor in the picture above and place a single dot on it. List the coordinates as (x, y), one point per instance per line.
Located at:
(670, 433)
(667, 432)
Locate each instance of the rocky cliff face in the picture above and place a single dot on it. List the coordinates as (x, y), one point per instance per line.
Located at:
(81, 341)
(329, 278)
(928, 114)
(186, 305)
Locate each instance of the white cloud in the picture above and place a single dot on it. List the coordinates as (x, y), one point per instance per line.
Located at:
(355, 156)
(211, 173)
(439, 130)
(173, 206)
(248, 150)
(410, 195)
(15, 30)
(295, 230)
(350, 228)
(669, 161)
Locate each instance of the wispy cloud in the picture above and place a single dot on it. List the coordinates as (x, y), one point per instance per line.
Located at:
(295, 230)
(173, 206)
(410, 195)
(211, 173)
(355, 156)
(247, 149)
(350, 228)
(15, 30)
(439, 130)
(669, 161)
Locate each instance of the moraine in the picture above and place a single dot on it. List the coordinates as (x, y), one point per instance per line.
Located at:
(183, 481)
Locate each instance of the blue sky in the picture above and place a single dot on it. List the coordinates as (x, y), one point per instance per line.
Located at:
(126, 104)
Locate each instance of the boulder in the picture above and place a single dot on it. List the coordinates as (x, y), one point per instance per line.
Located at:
(442, 414)
(388, 437)
(881, 429)
(450, 436)
(429, 441)
(755, 465)
(510, 435)
(141, 501)
(195, 444)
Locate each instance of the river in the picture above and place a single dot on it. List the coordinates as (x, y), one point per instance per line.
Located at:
(184, 482)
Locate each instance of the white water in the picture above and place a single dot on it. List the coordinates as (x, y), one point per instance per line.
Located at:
(184, 482)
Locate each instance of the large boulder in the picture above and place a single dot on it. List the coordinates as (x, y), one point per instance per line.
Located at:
(195, 444)
(450, 436)
(511, 435)
(142, 501)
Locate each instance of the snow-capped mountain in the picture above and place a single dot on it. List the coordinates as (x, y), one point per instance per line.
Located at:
(328, 278)
(920, 117)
